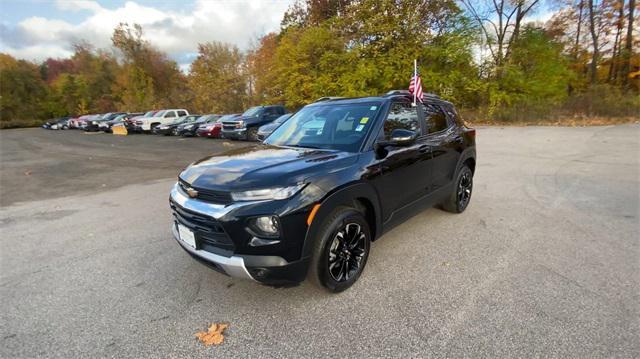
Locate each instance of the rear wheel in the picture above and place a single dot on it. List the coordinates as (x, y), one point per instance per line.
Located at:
(461, 195)
(340, 252)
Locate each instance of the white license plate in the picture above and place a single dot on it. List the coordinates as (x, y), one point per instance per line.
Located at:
(186, 236)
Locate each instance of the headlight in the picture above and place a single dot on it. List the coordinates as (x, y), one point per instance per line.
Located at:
(267, 193)
(94, 122)
(188, 127)
(240, 124)
(266, 225)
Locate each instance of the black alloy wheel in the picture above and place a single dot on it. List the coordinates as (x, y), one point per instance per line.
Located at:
(340, 249)
(461, 194)
(465, 186)
(346, 252)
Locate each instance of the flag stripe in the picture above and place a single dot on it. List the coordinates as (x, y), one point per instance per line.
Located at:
(415, 85)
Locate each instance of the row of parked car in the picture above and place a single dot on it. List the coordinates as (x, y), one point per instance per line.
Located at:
(254, 124)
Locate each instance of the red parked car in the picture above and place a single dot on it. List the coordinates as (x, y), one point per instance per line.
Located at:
(214, 129)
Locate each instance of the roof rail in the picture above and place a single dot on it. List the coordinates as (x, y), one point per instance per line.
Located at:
(397, 92)
(328, 98)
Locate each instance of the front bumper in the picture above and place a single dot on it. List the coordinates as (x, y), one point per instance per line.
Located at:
(221, 240)
(232, 266)
(163, 131)
(237, 134)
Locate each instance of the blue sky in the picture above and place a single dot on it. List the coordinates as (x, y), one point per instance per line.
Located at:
(38, 29)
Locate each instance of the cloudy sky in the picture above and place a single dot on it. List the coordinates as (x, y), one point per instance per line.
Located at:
(38, 29)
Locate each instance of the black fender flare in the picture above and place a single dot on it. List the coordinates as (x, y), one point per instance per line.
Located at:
(344, 196)
(464, 156)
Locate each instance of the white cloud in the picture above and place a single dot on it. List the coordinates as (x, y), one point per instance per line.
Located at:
(175, 32)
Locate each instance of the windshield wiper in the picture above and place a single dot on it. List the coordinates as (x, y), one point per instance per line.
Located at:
(305, 146)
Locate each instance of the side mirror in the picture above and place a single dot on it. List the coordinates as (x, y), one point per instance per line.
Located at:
(399, 138)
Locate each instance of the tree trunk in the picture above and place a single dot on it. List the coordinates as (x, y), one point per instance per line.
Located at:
(614, 64)
(594, 39)
(577, 43)
(627, 48)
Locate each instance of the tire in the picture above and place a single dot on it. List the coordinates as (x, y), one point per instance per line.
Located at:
(252, 134)
(461, 194)
(328, 254)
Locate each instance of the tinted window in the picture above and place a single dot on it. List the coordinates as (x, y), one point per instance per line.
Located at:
(170, 114)
(182, 113)
(329, 126)
(403, 116)
(436, 119)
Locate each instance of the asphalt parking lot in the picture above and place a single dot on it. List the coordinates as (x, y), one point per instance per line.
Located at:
(545, 262)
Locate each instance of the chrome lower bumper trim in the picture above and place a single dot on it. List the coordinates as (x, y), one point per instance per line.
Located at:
(233, 266)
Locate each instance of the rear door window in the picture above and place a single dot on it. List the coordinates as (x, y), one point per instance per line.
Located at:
(436, 119)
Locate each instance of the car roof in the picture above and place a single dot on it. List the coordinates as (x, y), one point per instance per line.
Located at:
(389, 96)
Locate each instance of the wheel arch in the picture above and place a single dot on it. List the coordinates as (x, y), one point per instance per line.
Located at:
(360, 196)
(467, 157)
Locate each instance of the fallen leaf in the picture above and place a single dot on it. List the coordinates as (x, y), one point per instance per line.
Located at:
(214, 336)
(28, 173)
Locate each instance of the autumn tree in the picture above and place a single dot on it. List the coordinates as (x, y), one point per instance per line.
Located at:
(261, 72)
(22, 91)
(217, 79)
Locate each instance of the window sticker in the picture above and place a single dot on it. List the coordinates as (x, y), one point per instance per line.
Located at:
(364, 120)
(359, 128)
(373, 108)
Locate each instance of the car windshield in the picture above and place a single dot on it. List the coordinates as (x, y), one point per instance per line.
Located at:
(204, 118)
(189, 119)
(149, 114)
(177, 121)
(159, 113)
(252, 111)
(226, 118)
(282, 118)
(326, 126)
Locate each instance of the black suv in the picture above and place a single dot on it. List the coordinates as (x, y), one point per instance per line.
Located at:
(309, 200)
(245, 127)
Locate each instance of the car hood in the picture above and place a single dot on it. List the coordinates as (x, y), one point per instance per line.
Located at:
(268, 127)
(243, 118)
(150, 118)
(263, 166)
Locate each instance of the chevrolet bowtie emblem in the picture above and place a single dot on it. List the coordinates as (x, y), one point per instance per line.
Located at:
(192, 192)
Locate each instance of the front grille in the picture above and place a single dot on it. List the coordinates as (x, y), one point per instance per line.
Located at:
(229, 125)
(207, 195)
(210, 235)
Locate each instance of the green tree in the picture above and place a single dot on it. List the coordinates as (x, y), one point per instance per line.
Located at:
(536, 77)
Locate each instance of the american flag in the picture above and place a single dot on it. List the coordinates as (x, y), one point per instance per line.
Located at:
(416, 85)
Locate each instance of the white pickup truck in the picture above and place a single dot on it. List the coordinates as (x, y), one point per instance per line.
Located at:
(160, 118)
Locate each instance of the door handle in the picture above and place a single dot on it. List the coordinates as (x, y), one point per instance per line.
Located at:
(424, 148)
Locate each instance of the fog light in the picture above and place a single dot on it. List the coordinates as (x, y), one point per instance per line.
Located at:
(267, 225)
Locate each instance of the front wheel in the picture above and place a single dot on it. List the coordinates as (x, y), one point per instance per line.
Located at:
(340, 252)
(252, 134)
(461, 195)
